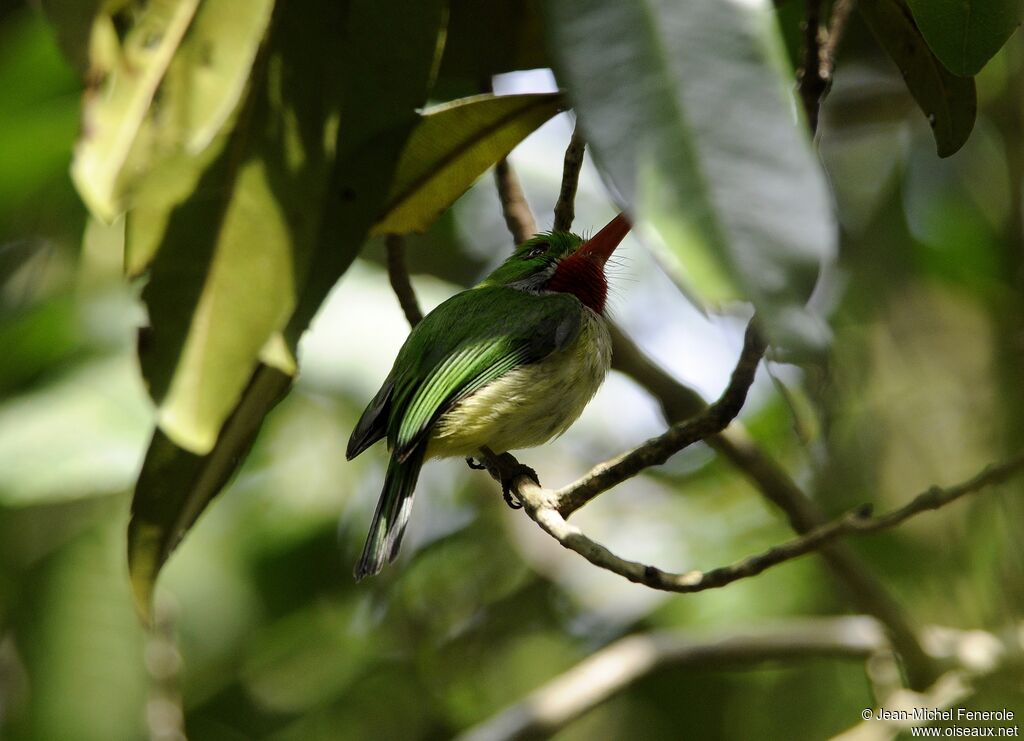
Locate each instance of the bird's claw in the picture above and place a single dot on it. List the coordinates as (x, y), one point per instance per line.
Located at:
(506, 484)
(472, 463)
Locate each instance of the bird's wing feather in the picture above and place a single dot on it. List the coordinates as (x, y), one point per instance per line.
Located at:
(466, 343)
(373, 424)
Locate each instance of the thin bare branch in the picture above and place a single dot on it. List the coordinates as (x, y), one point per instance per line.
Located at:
(656, 451)
(841, 11)
(565, 208)
(815, 76)
(679, 403)
(542, 506)
(619, 665)
(812, 83)
(514, 207)
(398, 274)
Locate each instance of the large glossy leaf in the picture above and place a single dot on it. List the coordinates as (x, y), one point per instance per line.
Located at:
(380, 87)
(224, 277)
(964, 34)
(114, 114)
(691, 118)
(452, 145)
(948, 101)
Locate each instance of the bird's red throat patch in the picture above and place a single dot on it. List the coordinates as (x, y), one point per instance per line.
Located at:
(583, 278)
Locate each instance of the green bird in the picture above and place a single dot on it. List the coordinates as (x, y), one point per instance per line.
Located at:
(507, 364)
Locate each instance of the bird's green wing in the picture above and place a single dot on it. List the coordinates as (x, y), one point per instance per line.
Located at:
(469, 341)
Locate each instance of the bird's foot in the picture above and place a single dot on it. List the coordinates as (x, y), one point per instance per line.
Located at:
(472, 463)
(508, 479)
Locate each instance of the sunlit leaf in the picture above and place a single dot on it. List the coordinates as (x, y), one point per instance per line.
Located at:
(451, 147)
(242, 276)
(197, 90)
(224, 277)
(114, 114)
(964, 34)
(692, 120)
(949, 102)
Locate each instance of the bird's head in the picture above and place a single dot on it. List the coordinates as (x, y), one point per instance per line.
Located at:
(563, 262)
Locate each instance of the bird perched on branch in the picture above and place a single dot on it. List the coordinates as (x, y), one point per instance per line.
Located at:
(507, 364)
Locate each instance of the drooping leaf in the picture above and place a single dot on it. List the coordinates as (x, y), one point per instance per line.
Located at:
(949, 102)
(691, 119)
(175, 485)
(114, 114)
(224, 277)
(965, 34)
(453, 144)
(380, 87)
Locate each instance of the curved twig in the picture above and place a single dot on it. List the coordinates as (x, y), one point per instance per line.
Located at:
(398, 274)
(618, 665)
(514, 207)
(565, 208)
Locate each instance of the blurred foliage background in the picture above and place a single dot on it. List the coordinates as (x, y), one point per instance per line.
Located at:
(261, 632)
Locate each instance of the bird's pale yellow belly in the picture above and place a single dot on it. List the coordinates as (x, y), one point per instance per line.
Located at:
(530, 405)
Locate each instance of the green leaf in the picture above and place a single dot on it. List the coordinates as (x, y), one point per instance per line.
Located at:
(451, 147)
(965, 34)
(224, 278)
(949, 102)
(486, 39)
(175, 485)
(690, 115)
(141, 142)
(377, 118)
(113, 115)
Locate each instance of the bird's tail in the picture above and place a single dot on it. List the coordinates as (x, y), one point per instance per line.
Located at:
(391, 515)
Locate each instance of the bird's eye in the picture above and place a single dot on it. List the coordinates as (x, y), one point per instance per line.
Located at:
(538, 249)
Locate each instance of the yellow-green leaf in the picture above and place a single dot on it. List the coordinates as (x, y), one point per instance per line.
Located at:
(114, 114)
(224, 279)
(219, 273)
(147, 154)
(453, 144)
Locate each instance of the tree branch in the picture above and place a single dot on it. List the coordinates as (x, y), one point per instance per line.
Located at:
(518, 217)
(619, 665)
(398, 274)
(542, 506)
(812, 83)
(565, 208)
(815, 76)
(841, 11)
(656, 451)
(680, 402)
